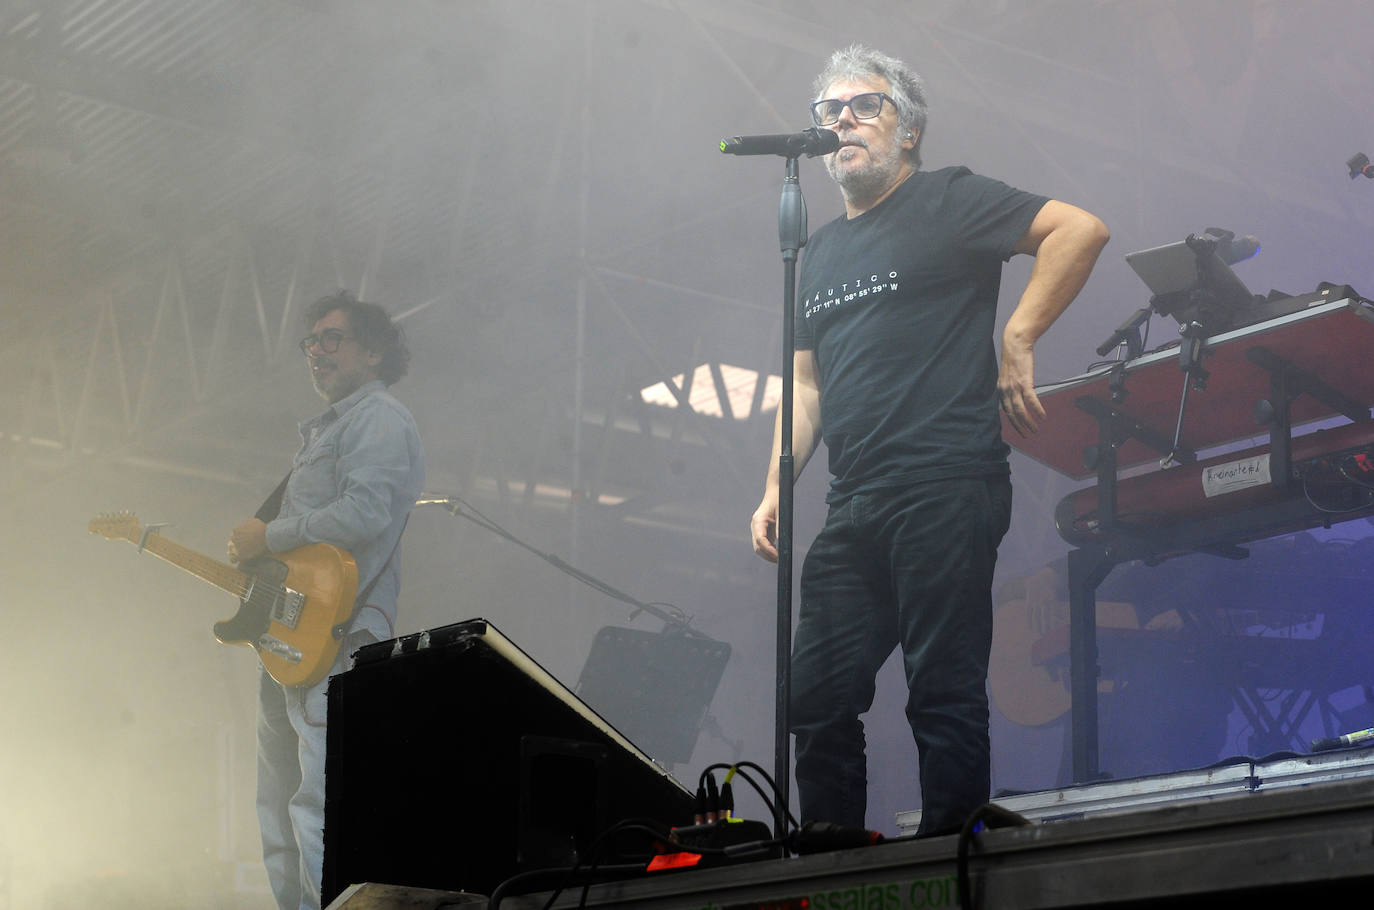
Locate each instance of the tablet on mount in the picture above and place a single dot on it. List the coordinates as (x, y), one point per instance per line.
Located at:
(1192, 282)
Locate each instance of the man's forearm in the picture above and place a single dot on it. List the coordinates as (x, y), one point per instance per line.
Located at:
(805, 434)
(1063, 262)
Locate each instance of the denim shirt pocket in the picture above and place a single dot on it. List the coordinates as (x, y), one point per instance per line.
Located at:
(314, 481)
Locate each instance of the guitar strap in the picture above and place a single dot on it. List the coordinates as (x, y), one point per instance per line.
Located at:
(361, 601)
(271, 506)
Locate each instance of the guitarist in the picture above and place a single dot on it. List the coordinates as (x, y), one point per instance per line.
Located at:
(359, 471)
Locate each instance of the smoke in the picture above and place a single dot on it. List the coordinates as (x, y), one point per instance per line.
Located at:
(536, 183)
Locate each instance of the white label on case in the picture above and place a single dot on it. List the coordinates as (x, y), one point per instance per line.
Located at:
(1235, 475)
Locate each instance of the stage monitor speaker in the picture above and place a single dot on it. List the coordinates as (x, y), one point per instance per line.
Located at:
(455, 761)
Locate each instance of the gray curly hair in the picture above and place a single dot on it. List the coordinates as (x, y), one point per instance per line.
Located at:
(907, 88)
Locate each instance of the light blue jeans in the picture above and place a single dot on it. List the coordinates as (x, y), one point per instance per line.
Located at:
(291, 740)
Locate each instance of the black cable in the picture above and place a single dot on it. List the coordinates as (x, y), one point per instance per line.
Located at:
(738, 768)
(1357, 481)
(586, 888)
(763, 795)
(995, 817)
(648, 826)
(1094, 370)
(704, 777)
(1307, 493)
(568, 873)
(686, 848)
(614, 872)
(498, 893)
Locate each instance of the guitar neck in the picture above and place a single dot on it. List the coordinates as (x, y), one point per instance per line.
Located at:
(220, 574)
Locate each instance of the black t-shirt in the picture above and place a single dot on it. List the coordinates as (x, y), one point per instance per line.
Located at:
(899, 305)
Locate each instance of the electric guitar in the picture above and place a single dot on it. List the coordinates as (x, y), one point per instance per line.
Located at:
(293, 606)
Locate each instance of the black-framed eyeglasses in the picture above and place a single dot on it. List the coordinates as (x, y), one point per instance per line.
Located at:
(328, 340)
(865, 106)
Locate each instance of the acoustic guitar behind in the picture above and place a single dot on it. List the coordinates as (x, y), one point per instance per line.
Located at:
(1027, 690)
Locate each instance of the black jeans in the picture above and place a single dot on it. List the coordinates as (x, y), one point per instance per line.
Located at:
(910, 566)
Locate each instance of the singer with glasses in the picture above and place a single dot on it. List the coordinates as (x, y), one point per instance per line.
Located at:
(897, 371)
(328, 341)
(352, 484)
(864, 106)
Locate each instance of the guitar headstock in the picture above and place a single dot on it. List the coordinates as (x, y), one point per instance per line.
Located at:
(117, 526)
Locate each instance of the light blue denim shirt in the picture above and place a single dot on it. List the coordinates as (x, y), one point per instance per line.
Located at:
(353, 482)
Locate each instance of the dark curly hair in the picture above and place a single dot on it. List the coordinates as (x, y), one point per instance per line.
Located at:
(373, 328)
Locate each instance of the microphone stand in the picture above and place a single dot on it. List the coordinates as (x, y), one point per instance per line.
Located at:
(1128, 333)
(791, 237)
(456, 507)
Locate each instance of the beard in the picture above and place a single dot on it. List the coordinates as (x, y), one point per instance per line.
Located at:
(334, 384)
(867, 181)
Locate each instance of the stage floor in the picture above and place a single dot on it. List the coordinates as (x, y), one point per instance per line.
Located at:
(1295, 830)
(1242, 776)
(1299, 830)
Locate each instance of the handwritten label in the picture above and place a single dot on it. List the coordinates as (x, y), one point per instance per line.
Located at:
(1220, 479)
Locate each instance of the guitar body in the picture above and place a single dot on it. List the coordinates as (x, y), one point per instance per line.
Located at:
(1027, 692)
(328, 578)
(292, 606)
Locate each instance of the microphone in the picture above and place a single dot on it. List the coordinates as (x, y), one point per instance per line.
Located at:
(1231, 249)
(1349, 739)
(1128, 332)
(1360, 165)
(821, 837)
(809, 142)
(1238, 249)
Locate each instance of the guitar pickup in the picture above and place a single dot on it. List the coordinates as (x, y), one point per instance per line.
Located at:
(275, 646)
(290, 605)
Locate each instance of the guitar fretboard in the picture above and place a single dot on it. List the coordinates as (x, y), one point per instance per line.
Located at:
(220, 574)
